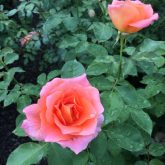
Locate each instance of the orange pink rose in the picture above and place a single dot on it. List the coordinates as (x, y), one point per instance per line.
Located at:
(68, 112)
(131, 16)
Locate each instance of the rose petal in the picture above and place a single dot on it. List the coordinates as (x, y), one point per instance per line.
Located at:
(32, 129)
(95, 99)
(100, 122)
(122, 15)
(87, 111)
(50, 131)
(50, 105)
(131, 16)
(117, 2)
(88, 128)
(53, 85)
(68, 112)
(78, 144)
(145, 10)
(66, 129)
(32, 124)
(48, 87)
(81, 80)
(144, 23)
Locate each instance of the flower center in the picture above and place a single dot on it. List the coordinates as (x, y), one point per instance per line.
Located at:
(68, 111)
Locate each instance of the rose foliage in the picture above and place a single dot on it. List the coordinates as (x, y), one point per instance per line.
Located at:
(62, 62)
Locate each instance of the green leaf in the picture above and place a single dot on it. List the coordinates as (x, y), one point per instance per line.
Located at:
(130, 50)
(12, 96)
(97, 50)
(53, 74)
(3, 94)
(132, 97)
(158, 60)
(129, 94)
(41, 79)
(12, 12)
(96, 68)
(72, 69)
(18, 130)
(113, 148)
(140, 163)
(153, 89)
(102, 31)
(82, 47)
(27, 154)
(105, 59)
(124, 115)
(68, 41)
(149, 45)
(129, 67)
(9, 76)
(155, 84)
(5, 51)
(31, 89)
(101, 82)
(113, 105)
(70, 55)
(30, 6)
(158, 105)
(70, 23)
(119, 160)
(81, 159)
(51, 23)
(98, 147)
(10, 58)
(22, 102)
(106, 160)
(147, 67)
(156, 149)
(143, 120)
(59, 155)
(156, 162)
(127, 137)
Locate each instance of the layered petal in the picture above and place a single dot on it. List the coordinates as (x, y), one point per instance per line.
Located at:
(81, 80)
(131, 16)
(78, 144)
(122, 15)
(50, 86)
(32, 124)
(144, 23)
(68, 112)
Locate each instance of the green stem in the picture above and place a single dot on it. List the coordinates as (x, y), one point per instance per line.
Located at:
(122, 42)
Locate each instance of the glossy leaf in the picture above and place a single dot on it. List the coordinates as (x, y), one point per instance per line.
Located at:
(127, 137)
(27, 154)
(72, 69)
(143, 120)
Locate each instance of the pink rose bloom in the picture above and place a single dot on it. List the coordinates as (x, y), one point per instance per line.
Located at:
(131, 16)
(69, 112)
(28, 37)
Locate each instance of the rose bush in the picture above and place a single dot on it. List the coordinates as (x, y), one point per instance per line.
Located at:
(131, 16)
(76, 37)
(69, 112)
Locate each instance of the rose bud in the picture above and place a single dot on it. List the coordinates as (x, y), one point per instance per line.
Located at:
(91, 13)
(27, 38)
(131, 16)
